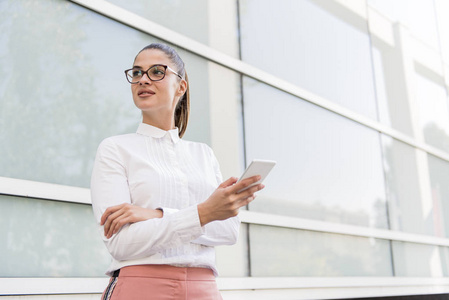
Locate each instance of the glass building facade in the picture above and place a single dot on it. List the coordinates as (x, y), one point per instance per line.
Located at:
(349, 97)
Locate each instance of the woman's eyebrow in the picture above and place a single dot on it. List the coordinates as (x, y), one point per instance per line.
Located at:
(139, 67)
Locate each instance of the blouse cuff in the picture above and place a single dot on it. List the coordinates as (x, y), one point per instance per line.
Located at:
(168, 211)
(189, 218)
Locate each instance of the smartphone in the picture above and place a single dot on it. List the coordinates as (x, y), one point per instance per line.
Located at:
(257, 167)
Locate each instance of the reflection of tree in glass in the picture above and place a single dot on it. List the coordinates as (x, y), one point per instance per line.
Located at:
(49, 239)
(399, 167)
(403, 184)
(52, 114)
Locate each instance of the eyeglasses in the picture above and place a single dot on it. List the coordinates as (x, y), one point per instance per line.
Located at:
(155, 73)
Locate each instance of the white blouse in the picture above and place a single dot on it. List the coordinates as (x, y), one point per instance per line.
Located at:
(154, 168)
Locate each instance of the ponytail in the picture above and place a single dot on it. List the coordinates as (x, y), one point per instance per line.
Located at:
(183, 110)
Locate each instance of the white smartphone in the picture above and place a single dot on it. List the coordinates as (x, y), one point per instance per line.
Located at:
(257, 167)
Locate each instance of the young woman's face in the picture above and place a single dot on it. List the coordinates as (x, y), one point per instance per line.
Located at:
(157, 96)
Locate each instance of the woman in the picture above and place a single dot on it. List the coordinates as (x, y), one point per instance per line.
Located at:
(155, 196)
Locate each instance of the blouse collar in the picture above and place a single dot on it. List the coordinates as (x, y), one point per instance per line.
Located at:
(155, 132)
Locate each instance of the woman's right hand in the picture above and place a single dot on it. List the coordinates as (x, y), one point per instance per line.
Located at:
(225, 202)
(115, 217)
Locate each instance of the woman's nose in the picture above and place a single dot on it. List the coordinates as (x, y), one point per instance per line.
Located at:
(145, 79)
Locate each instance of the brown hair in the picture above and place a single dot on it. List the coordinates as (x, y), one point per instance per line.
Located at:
(182, 110)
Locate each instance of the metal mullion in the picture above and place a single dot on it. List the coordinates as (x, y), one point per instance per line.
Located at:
(338, 228)
(43, 190)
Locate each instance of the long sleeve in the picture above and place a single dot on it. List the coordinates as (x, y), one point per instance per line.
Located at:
(224, 232)
(220, 233)
(110, 186)
(215, 233)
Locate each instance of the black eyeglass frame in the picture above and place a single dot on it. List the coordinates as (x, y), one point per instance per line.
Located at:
(148, 74)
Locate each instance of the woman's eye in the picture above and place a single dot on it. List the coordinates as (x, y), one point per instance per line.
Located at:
(157, 71)
(137, 73)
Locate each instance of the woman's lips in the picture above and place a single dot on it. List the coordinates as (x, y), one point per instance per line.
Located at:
(145, 93)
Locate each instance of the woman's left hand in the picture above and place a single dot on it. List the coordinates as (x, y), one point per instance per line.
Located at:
(116, 216)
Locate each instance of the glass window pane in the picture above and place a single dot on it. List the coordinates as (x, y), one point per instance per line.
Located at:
(396, 87)
(439, 178)
(188, 17)
(392, 86)
(444, 252)
(42, 238)
(411, 208)
(433, 109)
(290, 252)
(417, 260)
(319, 45)
(62, 93)
(442, 12)
(328, 167)
(417, 15)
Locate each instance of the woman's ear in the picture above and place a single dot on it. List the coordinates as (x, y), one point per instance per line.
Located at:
(182, 88)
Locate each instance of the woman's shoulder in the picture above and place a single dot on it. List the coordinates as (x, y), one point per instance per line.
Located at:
(199, 148)
(197, 145)
(117, 141)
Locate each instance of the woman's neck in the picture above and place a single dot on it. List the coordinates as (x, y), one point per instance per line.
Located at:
(164, 123)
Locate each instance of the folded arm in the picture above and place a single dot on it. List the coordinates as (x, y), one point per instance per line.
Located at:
(143, 237)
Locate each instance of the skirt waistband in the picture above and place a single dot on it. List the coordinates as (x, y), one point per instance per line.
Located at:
(168, 272)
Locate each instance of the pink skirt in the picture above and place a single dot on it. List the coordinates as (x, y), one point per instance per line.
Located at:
(162, 282)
